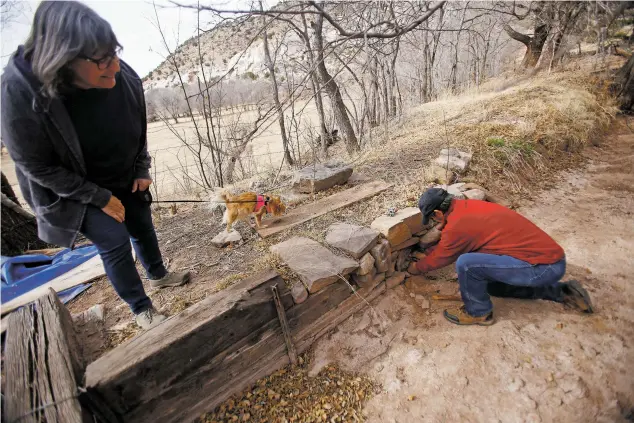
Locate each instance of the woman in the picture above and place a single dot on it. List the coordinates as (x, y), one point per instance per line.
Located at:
(73, 120)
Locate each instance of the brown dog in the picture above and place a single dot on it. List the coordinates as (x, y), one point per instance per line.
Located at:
(240, 207)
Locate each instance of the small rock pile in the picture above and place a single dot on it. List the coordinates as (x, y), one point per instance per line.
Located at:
(450, 163)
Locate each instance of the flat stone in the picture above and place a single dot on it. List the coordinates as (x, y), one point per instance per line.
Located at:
(430, 238)
(475, 194)
(321, 177)
(392, 228)
(412, 217)
(412, 241)
(225, 238)
(423, 301)
(352, 239)
(395, 280)
(299, 293)
(366, 264)
(459, 186)
(364, 279)
(381, 253)
(316, 265)
(372, 282)
(403, 260)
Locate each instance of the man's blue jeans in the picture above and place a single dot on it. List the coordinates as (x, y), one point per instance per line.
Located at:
(112, 240)
(481, 275)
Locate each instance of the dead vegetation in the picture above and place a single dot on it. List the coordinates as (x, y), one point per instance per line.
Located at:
(293, 395)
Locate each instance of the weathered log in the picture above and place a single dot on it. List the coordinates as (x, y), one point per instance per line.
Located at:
(43, 364)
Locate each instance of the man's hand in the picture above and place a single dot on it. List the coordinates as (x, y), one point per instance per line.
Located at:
(141, 184)
(412, 269)
(115, 209)
(417, 255)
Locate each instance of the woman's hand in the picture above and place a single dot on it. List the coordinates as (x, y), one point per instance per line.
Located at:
(115, 209)
(141, 184)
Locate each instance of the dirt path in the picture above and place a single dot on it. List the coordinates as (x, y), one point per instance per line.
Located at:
(539, 362)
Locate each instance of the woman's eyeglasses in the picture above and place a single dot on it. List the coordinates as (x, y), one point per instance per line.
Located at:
(103, 62)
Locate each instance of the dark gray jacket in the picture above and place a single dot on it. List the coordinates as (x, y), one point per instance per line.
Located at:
(49, 164)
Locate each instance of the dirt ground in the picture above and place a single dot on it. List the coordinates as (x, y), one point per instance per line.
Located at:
(540, 362)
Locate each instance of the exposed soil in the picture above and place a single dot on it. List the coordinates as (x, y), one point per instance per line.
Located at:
(540, 362)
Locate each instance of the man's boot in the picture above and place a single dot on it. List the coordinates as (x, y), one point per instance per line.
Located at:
(576, 296)
(459, 316)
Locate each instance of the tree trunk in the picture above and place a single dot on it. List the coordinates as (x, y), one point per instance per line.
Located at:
(331, 87)
(535, 47)
(8, 190)
(623, 86)
(19, 229)
(276, 95)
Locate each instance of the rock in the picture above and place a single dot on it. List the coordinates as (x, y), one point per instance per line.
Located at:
(372, 283)
(453, 189)
(381, 253)
(225, 238)
(453, 163)
(352, 239)
(453, 159)
(95, 312)
(450, 152)
(363, 280)
(403, 260)
(424, 303)
(440, 174)
(321, 177)
(299, 292)
(392, 228)
(316, 265)
(412, 241)
(366, 265)
(430, 238)
(391, 268)
(412, 217)
(459, 186)
(395, 280)
(475, 194)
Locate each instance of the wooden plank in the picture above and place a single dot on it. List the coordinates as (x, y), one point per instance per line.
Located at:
(43, 364)
(325, 205)
(87, 271)
(159, 360)
(259, 354)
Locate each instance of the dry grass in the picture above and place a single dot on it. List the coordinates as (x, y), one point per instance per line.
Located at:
(519, 129)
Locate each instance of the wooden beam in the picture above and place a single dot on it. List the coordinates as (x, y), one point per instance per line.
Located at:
(325, 205)
(155, 363)
(43, 364)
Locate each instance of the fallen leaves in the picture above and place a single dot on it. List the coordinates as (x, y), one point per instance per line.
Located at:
(290, 395)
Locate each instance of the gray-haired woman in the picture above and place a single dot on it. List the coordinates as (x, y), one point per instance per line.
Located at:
(73, 120)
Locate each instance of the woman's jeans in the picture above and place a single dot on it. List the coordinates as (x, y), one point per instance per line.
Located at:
(112, 240)
(481, 275)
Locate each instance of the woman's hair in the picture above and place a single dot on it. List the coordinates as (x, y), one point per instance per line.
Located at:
(61, 31)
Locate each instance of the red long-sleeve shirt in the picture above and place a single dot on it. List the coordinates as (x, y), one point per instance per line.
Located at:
(475, 226)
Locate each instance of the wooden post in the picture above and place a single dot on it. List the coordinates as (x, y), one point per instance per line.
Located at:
(292, 353)
(43, 364)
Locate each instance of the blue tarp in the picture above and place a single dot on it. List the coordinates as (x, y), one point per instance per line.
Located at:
(23, 273)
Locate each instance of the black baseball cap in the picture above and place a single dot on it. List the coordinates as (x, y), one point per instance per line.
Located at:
(430, 201)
